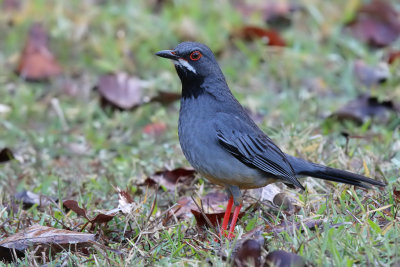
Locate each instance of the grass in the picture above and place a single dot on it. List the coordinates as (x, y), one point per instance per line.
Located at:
(295, 89)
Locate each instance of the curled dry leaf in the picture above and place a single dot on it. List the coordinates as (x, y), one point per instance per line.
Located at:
(121, 91)
(364, 108)
(280, 258)
(371, 75)
(268, 36)
(73, 205)
(248, 254)
(376, 23)
(37, 62)
(98, 219)
(45, 239)
(169, 179)
(6, 155)
(125, 201)
(28, 199)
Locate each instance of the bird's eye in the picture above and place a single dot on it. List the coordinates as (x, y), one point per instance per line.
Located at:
(195, 55)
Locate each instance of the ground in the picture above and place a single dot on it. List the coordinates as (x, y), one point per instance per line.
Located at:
(68, 146)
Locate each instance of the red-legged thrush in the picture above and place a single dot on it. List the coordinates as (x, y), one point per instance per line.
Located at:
(223, 143)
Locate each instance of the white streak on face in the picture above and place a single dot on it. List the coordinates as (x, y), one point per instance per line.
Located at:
(183, 63)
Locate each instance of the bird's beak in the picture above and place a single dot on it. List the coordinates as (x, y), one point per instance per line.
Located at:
(170, 54)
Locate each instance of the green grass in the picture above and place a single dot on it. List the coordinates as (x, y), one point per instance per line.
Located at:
(92, 39)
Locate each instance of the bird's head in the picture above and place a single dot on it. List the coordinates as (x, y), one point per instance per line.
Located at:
(194, 62)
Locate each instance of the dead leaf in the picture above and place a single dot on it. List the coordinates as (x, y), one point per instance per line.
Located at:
(125, 201)
(166, 98)
(214, 218)
(43, 238)
(37, 62)
(6, 155)
(29, 199)
(371, 75)
(396, 194)
(393, 56)
(249, 254)
(364, 108)
(376, 23)
(73, 205)
(102, 217)
(212, 203)
(120, 91)
(268, 36)
(284, 259)
(155, 129)
(169, 179)
(10, 254)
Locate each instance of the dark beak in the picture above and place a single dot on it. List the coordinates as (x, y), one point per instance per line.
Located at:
(167, 54)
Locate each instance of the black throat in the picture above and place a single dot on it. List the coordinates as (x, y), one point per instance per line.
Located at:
(192, 84)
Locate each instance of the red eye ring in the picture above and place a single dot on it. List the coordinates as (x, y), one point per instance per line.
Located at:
(195, 55)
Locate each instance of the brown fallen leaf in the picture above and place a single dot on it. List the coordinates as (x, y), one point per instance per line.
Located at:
(6, 155)
(249, 254)
(393, 56)
(169, 179)
(73, 205)
(46, 239)
(98, 219)
(268, 36)
(280, 258)
(364, 108)
(166, 98)
(376, 23)
(155, 129)
(212, 203)
(120, 91)
(214, 218)
(371, 75)
(396, 195)
(28, 199)
(37, 62)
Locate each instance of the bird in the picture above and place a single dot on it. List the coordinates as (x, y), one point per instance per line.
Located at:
(223, 144)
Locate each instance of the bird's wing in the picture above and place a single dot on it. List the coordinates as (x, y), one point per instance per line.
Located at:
(251, 146)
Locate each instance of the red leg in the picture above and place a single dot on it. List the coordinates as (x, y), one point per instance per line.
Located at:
(226, 216)
(234, 219)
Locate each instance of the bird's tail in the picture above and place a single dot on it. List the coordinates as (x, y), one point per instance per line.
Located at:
(305, 168)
